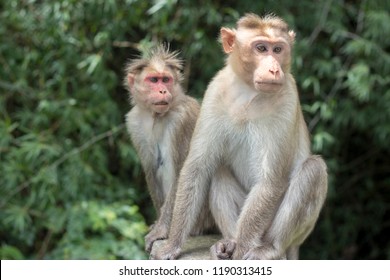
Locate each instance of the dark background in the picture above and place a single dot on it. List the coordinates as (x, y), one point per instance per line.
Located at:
(71, 186)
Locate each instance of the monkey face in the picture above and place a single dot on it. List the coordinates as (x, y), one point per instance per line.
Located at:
(270, 57)
(152, 89)
(159, 91)
(260, 56)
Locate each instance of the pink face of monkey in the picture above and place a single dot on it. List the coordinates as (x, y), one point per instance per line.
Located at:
(153, 88)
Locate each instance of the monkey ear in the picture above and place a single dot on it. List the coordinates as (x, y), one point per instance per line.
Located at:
(130, 79)
(228, 37)
(292, 35)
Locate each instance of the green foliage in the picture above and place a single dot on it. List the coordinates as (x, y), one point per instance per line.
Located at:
(67, 161)
(70, 180)
(100, 231)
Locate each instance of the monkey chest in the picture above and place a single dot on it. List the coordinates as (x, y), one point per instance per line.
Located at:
(249, 154)
(163, 164)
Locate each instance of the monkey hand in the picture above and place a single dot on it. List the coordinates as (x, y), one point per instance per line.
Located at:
(157, 232)
(223, 249)
(167, 252)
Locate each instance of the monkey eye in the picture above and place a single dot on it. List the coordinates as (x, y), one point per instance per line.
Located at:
(277, 49)
(153, 79)
(261, 48)
(165, 79)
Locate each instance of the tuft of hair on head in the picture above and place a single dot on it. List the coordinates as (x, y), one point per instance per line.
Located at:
(159, 54)
(253, 21)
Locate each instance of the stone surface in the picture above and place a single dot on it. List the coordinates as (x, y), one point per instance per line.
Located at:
(195, 248)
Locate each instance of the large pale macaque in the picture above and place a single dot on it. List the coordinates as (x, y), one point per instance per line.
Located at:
(250, 153)
(161, 124)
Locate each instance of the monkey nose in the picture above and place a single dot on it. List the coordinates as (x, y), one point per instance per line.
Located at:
(163, 91)
(275, 73)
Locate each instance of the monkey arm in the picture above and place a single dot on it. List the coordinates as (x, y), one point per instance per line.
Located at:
(257, 214)
(193, 186)
(154, 188)
(160, 229)
(195, 176)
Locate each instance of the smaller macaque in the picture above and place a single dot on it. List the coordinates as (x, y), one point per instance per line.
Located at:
(160, 124)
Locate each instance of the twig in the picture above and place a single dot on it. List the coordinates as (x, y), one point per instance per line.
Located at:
(87, 144)
(125, 44)
(45, 245)
(320, 25)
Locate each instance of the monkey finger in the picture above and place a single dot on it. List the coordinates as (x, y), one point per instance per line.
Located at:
(166, 253)
(151, 227)
(217, 254)
(148, 246)
(156, 234)
(149, 241)
(230, 246)
(223, 249)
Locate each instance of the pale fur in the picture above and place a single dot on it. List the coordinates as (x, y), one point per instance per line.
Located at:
(250, 158)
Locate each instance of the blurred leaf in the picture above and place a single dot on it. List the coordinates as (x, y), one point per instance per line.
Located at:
(91, 62)
(358, 81)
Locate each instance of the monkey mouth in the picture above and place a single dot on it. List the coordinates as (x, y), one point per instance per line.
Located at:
(268, 86)
(161, 103)
(270, 83)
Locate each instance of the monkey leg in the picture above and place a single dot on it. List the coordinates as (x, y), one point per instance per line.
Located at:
(205, 223)
(292, 253)
(297, 213)
(226, 199)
